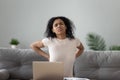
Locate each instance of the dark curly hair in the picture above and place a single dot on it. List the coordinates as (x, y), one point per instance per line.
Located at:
(69, 24)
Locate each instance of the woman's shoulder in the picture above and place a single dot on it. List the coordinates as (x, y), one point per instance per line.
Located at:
(47, 39)
(77, 39)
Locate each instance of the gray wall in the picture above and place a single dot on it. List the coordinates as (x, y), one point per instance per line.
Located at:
(26, 19)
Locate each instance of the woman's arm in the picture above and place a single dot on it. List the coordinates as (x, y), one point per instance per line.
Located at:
(80, 50)
(36, 47)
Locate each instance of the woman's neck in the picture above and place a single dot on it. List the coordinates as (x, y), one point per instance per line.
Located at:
(61, 36)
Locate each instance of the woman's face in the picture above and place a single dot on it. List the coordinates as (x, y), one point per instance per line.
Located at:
(59, 27)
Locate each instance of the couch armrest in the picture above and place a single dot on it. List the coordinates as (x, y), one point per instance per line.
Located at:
(4, 74)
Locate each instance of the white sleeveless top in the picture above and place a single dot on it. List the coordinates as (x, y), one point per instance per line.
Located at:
(62, 51)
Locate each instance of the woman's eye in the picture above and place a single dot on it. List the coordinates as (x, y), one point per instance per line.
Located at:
(56, 25)
(61, 23)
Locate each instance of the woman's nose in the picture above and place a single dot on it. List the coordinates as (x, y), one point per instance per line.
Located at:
(58, 25)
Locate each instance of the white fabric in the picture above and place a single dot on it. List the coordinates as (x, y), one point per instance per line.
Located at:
(62, 51)
(75, 78)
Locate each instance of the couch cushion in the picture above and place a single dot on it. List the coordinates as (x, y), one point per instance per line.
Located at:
(4, 74)
(19, 62)
(100, 65)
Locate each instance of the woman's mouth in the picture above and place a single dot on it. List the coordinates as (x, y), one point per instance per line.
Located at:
(59, 30)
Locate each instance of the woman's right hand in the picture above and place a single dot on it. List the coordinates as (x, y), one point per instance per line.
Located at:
(36, 47)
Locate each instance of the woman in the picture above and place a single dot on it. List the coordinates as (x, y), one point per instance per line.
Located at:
(61, 43)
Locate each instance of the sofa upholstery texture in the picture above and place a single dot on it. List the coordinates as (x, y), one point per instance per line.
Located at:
(98, 65)
(16, 64)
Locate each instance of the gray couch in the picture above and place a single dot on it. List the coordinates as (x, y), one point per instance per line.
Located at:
(96, 65)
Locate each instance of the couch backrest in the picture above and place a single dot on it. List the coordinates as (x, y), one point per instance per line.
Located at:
(100, 65)
(19, 62)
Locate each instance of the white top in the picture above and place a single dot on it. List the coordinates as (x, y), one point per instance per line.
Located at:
(75, 78)
(62, 51)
